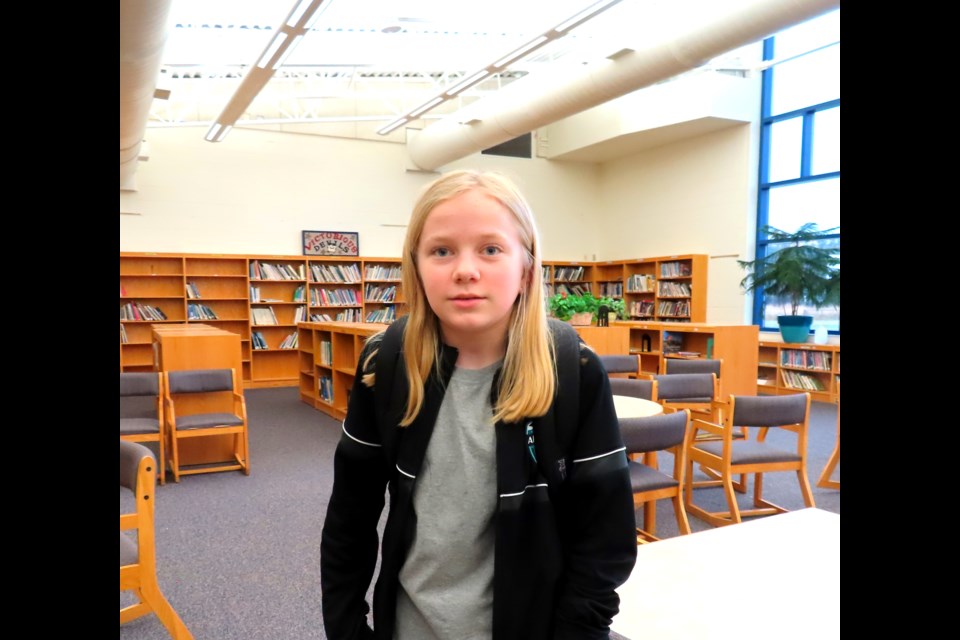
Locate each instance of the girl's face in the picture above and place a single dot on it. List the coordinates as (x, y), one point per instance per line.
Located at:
(472, 265)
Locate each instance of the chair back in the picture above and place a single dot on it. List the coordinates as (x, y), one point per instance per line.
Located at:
(654, 433)
(635, 388)
(683, 365)
(769, 411)
(620, 363)
(200, 380)
(686, 387)
(139, 400)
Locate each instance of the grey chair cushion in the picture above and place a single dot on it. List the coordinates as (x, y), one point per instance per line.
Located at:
(681, 365)
(685, 387)
(653, 433)
(749, 452)
(139, 384)
(769, 411)
(206, 420)
(129, 553)
(620, 363)
(138, 426)
(200, 380)
(644, 478)
(632, 387)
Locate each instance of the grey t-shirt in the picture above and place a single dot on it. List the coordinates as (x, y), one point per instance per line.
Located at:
(446, 583)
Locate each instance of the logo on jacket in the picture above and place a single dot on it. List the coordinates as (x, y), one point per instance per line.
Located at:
(531, 442)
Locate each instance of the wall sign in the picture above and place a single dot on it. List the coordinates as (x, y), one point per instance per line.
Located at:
(331, 243)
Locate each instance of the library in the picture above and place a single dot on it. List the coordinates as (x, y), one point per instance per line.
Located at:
(271, 161)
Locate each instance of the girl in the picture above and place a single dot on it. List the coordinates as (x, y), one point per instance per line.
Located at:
(477, 543)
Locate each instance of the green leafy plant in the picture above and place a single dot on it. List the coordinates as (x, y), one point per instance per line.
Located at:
(800, 272)
(562, 305)
(614, 305)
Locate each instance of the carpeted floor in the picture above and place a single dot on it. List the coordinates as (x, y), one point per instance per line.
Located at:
(239, 556)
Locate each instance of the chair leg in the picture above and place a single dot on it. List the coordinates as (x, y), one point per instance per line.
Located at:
(175, 456)
(731, 501)
(134, 611)
(683, 524)
(166, 613)
(162, 463)
(805, 488)
(825, 480)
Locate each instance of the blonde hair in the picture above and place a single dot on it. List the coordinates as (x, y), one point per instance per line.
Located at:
(528, 378)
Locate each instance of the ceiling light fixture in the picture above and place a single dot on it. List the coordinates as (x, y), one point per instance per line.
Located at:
(297, 24)
(522, 51)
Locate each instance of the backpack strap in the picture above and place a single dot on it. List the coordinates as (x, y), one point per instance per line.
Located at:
(558, 427)
(388, 399)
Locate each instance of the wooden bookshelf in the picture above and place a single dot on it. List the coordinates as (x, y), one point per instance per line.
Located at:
(785, 368)
(263, 298)
(735, 344)
(328, 354)
(661, 289)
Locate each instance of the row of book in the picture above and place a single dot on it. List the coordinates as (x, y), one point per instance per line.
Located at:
(568, 273)
(266, 271)
(572, 290)
(381, 272)
(325, 388)
(333, 297)
(611, 289)
(640, 283)
(346, 272)
(140, 311)
(375, 293)
(193, 293)
(259, 342)
(197, 311)
(675, 269)
(819, 360)
(674, 289)
(263, 316)
(386, 314)
(800, 380)
(326, 352)
(640, 309)
(673, 308)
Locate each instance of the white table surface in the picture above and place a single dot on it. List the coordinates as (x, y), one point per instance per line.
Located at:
(774, 577)
(630, 407)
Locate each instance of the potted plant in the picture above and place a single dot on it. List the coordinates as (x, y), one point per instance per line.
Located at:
(614, 305)
(574, 309)
(801, 272)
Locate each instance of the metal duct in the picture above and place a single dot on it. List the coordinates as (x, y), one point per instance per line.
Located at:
(143, 32)
(528, 104)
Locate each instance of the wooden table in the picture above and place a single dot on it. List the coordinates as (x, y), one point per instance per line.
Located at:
(771, 577)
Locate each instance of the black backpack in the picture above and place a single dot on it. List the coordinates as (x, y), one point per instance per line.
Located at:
(555, 430)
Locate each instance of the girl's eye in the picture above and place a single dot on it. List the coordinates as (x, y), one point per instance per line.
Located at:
(491, 250)
(441, 252)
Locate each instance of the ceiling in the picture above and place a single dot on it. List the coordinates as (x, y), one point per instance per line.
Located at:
(365, 62)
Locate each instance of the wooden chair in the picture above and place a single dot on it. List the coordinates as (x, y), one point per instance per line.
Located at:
(834, 459)
(692, 365)
(138, 566)
(141, 412)
(664, 432)
(728, 456)
(621, 365)
(203, 403)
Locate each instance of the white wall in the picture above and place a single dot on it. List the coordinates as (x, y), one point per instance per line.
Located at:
(256, 191)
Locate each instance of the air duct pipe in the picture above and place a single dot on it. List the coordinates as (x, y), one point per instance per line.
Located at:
(527, 104)
(143, 32)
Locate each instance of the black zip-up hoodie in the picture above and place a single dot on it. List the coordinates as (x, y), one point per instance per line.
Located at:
(560, 551)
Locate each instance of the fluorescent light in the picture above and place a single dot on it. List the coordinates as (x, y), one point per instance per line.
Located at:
(584, 15)
(393, 125)
(284, 40)
(278, 40)
(217, 132)
(426, 106)
(549, 35)
(522, 51)
(469, 82)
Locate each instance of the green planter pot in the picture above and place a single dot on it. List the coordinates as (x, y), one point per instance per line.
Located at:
(795, 328)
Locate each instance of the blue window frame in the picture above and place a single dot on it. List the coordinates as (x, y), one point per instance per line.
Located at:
(800, 146)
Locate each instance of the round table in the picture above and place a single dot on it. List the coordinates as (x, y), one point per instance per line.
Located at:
(630, 407)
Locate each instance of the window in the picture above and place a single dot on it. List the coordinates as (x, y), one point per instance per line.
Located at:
(800, 146)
